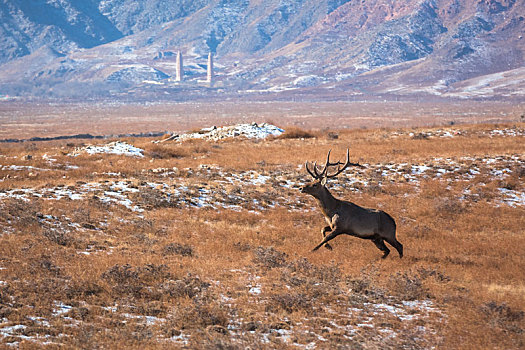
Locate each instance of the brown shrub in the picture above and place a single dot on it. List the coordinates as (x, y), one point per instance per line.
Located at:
(217, 337)
(201, 314)
(332, 135)
(420, 136)
(44, 264)
(420, 231)
(88, 213)
(501, 315)
(519, 170)
(61, 236)
(269, 257)
(144, 274)
(365, 286)
(189, 286)
(289, 302)
(82, 289)
(408, 286)
(152, 198)
(140, 282)
(449, 206)
(430, 272)
(20, 212)
(179, 249)
(296, 133)
(330, 274)
(166, 151)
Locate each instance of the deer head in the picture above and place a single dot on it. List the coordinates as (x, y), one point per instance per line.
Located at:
(320, 175)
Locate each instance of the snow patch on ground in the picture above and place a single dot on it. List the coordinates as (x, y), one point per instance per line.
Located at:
(21, 168)
(514, 131)
(214, 133)
(117, 147)
(512, 198)
(245, 190)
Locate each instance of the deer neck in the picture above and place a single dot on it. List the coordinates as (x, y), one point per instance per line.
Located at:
(327, 202)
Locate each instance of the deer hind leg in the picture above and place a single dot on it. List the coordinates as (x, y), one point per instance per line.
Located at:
(324, 231)
(390, 237)
(395, 243)
(388, 232)
(380, 243)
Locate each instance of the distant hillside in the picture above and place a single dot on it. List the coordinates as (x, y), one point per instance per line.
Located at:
(336, 49)
(64, 26)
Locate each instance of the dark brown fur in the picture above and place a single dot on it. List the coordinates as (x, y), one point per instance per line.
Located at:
(345, 217)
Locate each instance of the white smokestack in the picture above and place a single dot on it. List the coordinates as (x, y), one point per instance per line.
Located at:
(209, 77)
(179, 73)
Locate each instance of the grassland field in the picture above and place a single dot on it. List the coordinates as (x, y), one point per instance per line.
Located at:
(207, 244)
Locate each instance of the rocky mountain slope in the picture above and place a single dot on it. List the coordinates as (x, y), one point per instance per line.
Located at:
(324, 49)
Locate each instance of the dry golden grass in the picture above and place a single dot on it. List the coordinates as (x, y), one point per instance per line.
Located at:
(86, 273)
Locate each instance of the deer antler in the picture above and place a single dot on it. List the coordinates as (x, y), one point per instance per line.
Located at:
(310, 172)
(322, 173)
(341, 166)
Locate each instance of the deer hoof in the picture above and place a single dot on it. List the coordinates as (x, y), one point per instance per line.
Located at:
(328, 246)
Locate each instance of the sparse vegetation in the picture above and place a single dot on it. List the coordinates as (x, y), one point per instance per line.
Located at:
(211, 249)
(166, 151)
(296, 133)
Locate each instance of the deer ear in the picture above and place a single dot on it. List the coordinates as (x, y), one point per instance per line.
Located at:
(323, 181)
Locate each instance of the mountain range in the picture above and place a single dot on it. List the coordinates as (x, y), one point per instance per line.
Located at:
(313, 49)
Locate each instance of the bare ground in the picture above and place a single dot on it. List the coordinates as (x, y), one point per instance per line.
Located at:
(25, 120)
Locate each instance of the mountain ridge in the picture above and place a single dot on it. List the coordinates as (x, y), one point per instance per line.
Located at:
(336, 47)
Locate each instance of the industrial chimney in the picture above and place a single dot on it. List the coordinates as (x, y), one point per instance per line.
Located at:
(209, 77)
(179, 73)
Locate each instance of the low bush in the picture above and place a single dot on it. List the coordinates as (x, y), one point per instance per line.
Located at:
(296, 133)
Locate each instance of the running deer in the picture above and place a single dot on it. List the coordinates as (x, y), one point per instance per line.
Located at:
(345, 217)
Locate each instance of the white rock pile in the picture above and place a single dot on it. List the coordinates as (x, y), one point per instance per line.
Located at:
(250, 131)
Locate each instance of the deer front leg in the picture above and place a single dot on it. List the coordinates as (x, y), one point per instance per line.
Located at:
(335, 232)
(324, 230)
(327, 238)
